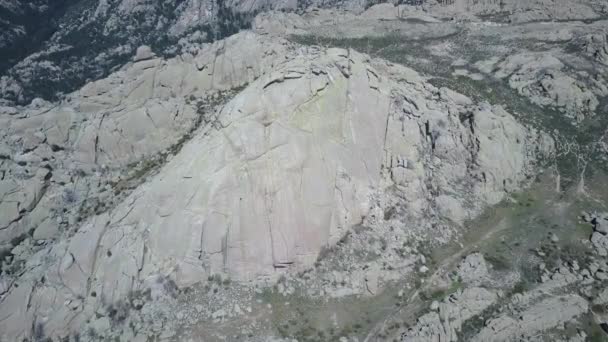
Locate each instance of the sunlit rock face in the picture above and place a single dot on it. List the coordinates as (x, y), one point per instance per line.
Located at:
(286, 167)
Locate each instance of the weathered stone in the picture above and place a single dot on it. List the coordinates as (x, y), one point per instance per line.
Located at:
(143, 53)
(473, 269)
(596, 46)
(540, 77)
(600, 242)
(286, 167)
(46, 230)
(543, 316)
(445, 324)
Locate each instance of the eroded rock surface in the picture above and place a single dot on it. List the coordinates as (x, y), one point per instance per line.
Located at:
(57, 155)
(473, 269)
(541, 78)
(596, 46)
(522, 11)
(542, 316)
(62, 163)
(446, 320)
(285, 168)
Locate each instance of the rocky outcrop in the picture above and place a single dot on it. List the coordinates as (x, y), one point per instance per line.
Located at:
(541, 77)
(473, 269)
(82, 40)
(600, 242)
(377, 21)
(596, 46)
(496, 315)
(599, 238)
(520, 10)
(286, 167)
(445, 322)
(24, 25)
(545, 315)
(61, 163)
(55, 47)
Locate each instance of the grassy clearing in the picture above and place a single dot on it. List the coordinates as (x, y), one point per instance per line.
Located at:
(313, 319)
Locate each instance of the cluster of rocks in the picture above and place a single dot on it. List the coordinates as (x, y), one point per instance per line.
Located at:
(445, 320)
(499, 314)
(473, 270)
(599, 239)
(82, 41)
(542, 78)
(518, 11)
(129, 207)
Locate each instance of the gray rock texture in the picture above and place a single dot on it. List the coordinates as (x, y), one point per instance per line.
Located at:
(348, 170)
(542, 316)
(286, 167)
(446, 323)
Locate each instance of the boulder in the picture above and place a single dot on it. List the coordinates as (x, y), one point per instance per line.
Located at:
(446, 323)
(473, 269)
(543, 79)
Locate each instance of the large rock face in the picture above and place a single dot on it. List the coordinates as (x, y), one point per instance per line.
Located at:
(286, 167)
(55, 47)
(56, 156)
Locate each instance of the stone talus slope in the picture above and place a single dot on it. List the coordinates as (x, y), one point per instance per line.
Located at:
(286, 167)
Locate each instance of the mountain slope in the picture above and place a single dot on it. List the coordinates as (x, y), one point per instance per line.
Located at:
(341, 171)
